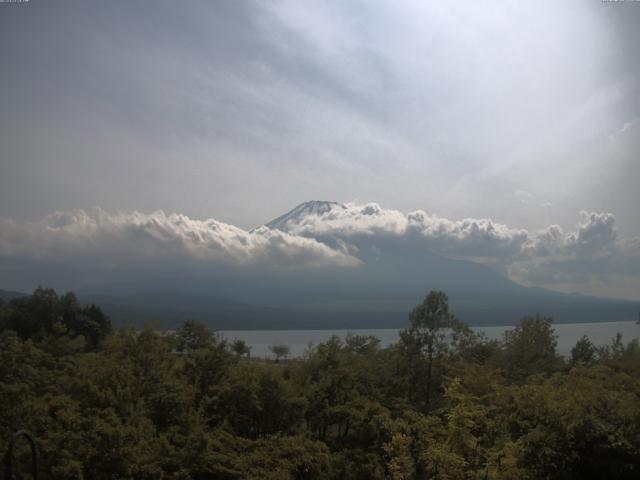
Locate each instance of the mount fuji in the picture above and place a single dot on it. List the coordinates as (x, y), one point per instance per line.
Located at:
(394, 274)
(315, 208)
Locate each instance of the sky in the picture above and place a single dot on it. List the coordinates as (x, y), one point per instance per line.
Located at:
(524, 114)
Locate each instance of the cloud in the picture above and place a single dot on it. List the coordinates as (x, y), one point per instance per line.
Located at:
(470, 238)
(98, 238)
(350, 220)
(595, 236)
(591, 254)
(549, 257)
(591, 258)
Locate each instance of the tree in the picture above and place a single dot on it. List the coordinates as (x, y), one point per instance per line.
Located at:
(256, 401)
(432, 329)
(530, 348)
(33, 316)
(193, 335)
(44, 314)
(280, 350)
(240, 348)
(90, 321)
(4, 315)
(362, 344)
(584, 351)
(400, 464)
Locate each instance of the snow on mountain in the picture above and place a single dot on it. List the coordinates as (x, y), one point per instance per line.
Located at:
(314, 207)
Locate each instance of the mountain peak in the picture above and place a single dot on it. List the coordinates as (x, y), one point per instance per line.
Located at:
(312, 207)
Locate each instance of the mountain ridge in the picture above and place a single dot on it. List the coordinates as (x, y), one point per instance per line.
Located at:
(395, 273)
(310, 207)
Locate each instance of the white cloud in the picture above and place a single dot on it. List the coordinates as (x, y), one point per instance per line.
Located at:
(548, 257)
(367, 219)
(470, 237)
(590, 258)
(116, 238)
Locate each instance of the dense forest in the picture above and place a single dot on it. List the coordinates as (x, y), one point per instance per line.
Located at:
(442, 403)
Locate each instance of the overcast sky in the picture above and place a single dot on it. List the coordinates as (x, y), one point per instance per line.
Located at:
(523, 112)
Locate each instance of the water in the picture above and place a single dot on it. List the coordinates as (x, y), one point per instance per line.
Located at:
(299, 340)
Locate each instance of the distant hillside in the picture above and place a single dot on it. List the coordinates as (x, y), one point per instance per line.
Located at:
(7, 295)
(166, 310)
(169, 309)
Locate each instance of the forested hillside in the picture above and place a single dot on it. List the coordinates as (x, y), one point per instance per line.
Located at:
(442, 403)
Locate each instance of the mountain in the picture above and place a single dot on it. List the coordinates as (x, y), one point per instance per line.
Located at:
(169, 309)
(7, 295)
(295, 216)
(393, 271)
(163, 309)
(396, 272)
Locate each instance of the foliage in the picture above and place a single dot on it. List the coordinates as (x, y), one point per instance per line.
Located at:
(530, 348)
(280, 351)
(433, 333)
(44, 313)
(148, 405)
(193, 335)
(584, 351)
(240, 347)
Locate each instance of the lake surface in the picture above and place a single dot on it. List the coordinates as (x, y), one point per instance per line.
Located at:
(299, 340)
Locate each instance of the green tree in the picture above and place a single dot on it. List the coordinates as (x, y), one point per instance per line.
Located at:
(206, 371)
(133, 408)
(583, 351)
(33, 316)
(432, 331)
(43, 313)
(4, 315)
(240, 348)
(530, 348)
(400, 461)
(280, 350)
(362, 344)
(193, 335)
(256, 401)
(90, 321)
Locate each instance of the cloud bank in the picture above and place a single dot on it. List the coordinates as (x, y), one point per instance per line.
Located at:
(584, 259)
(112, 239)
(592, 258)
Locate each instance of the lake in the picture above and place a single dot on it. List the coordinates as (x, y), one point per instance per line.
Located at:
(298, 340)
